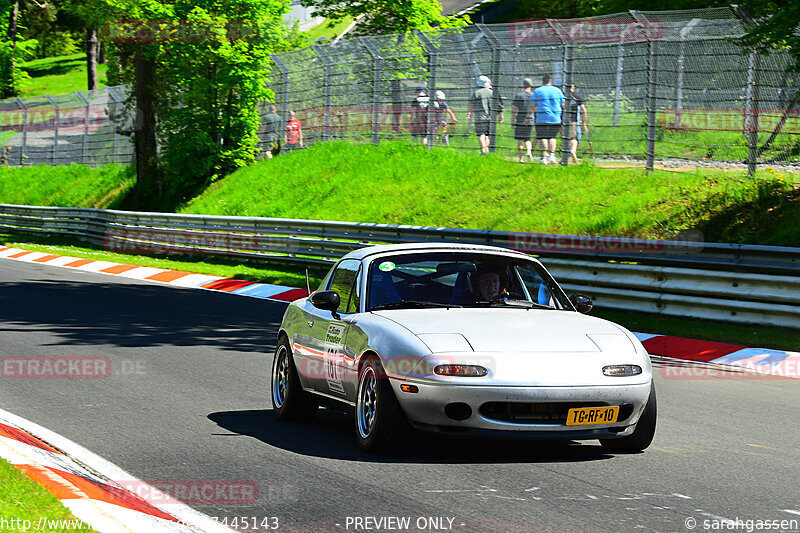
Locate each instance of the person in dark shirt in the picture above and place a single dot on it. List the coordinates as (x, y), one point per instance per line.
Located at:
(522, 124)
(272, 130)
(576, 118)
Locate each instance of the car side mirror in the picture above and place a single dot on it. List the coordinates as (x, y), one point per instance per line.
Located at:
(582, 303)
(326, 300)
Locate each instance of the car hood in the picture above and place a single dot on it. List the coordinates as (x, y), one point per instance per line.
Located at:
(511, 330)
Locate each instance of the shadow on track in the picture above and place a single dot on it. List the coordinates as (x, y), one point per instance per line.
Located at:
(331, 435)
(138, 315)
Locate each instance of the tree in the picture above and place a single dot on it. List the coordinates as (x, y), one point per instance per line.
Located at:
(388, 16)
(777, 27)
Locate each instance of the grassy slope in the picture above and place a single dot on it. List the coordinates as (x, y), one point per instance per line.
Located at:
(336, 181)
(68, 185)
(59, 75)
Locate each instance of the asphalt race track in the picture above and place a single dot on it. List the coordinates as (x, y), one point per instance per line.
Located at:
(188, 400)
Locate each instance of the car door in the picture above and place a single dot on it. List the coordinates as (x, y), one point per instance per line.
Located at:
(332, 330)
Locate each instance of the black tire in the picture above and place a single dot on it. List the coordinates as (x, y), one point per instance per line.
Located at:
(289, 400)
(380, 421)
(642, 435)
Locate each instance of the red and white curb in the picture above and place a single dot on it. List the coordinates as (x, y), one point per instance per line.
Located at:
(761, 360)
(81, 480)
(161, 275)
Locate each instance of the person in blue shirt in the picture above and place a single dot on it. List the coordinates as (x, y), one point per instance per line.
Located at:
(546, 105)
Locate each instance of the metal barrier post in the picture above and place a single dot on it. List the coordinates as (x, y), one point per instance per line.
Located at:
(494, 44)
(55, 131)
(377, 65)
(430, 52)
(21, 104)
(326, 91)
(85, 144)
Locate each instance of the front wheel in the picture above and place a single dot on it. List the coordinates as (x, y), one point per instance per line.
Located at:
(379, 419)
(642, 435)
(289, 400)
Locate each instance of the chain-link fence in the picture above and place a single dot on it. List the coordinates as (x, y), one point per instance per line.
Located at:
(658, 86)
(668, 86)
(88, 127)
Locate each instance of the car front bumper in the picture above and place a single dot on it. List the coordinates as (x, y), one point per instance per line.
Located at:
(425, 409)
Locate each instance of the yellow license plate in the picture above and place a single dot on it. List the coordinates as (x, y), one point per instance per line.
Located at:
(592, 415)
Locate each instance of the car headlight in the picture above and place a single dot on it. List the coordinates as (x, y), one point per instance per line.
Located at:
(622, 370)
(467, 371)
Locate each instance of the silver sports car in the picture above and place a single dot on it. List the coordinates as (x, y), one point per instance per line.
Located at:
(460, 339)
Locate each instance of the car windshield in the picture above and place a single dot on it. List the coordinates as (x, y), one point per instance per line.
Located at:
(460, 279)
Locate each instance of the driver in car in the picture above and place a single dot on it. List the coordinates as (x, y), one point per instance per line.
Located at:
(487, 284)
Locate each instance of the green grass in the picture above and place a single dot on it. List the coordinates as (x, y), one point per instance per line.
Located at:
(328, 29)
(399, 183)
(68, 185)
(59, 75)
(23, 499)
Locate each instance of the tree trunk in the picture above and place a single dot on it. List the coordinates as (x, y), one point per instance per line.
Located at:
(91, 58)
(145, 126)
(12, 24)
(101, 52)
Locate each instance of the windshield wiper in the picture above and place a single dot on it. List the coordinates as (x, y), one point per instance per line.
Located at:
(514, 303)
(411, 303)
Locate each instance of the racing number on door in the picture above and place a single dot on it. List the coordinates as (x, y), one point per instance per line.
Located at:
(334, 349)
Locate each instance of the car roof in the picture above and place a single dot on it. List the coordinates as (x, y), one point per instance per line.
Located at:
(427, 247)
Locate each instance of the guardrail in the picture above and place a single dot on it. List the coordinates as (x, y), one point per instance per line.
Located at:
(727, 282)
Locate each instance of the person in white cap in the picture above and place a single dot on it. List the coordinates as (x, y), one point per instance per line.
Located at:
(481, 105)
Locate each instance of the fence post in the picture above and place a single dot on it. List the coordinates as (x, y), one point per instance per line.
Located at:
(681, 66)
(85, 143)
(326, 91)
(652, 70)
(565, 116)
(751, 112)
(494, 44)
(377, 66)
(430, 51)
(54, 152)
(650, 106)
(21, 104)
(618, 92)
(114, 118)
(284, 88)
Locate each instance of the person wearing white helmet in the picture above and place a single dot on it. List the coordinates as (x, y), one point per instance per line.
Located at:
(443, 108)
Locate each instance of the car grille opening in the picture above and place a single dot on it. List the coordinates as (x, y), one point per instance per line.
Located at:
(552, 413)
